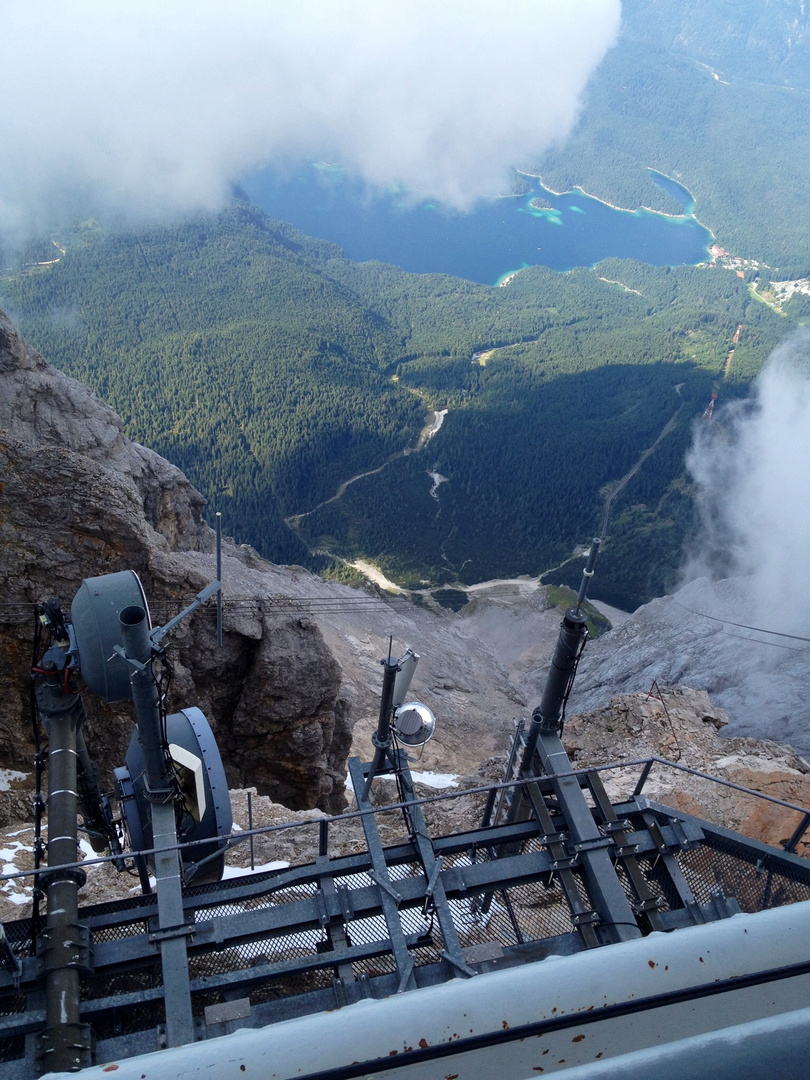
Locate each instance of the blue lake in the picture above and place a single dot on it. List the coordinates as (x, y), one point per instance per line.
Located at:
(497, 238)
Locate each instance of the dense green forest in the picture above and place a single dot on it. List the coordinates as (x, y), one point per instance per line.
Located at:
(271, 369)
(765, 42)
(225, 347)
(715, 95)
(538, 432)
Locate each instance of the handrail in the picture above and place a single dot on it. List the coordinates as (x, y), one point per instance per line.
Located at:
(646, 764)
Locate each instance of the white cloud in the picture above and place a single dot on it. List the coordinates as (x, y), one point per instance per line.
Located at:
(153, 108)
(753, 469)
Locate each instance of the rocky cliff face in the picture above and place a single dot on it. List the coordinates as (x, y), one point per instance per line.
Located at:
(78, 499)
(301, 658)
(683, 726)
(761, 680)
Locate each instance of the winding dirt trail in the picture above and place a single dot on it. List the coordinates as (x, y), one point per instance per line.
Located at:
(427, 433)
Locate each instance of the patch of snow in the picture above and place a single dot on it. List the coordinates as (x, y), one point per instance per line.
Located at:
(429, 779)
(8, 776)
(241, 871)
(86, 848)
(16, 891)
(18, 897)
(435, 779)
(7, 854)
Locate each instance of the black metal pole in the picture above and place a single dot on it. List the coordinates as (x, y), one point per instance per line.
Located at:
(250, 828)
(547, 716)
(64, 947)
(587, 573)
(219, 578)
(138, 649)
(544, 755)
(382, 736)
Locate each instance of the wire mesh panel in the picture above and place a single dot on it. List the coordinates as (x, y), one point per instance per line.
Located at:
(658, 881)
(18, 934)
(13, 1048)
(290, 985)
(118, 931)
(541, 910)
(13, 1003)
(718, 868)
(516, 913)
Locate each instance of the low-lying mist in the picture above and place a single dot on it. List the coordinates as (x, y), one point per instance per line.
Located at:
(752, 468)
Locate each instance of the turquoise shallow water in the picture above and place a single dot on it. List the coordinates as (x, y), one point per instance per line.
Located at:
(497, 238)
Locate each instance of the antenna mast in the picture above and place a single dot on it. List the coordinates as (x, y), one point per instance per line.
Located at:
(545, 760)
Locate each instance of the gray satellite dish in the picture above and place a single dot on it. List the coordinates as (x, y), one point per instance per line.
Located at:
(206, 805)
(95, 616)
(414, 724)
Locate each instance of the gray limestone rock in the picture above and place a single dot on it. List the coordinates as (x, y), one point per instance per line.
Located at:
(761, 680)
(77, 500)
(685, 727)
(43, 408)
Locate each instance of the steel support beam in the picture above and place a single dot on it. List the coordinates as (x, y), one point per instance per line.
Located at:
(173, 931)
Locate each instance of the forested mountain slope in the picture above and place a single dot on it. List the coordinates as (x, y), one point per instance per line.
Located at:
(717, 96)
(764, 42)
(539, 432)
(272, 370)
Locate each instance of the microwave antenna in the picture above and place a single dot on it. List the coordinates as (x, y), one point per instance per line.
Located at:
(171, 791)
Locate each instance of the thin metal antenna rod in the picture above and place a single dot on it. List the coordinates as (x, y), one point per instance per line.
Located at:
(159, 633)
(219, 578)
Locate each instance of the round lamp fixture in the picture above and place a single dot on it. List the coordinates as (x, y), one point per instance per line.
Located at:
(414, 724)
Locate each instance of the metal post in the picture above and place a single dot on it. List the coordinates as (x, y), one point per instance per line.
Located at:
(219, 578)
(544, 755)
(65, 1043)
(382, 736)
(547, 716)
(587, 573)
(642, 780)
(250, 829)
(159, 790)
(138, 649)
(798, 833)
